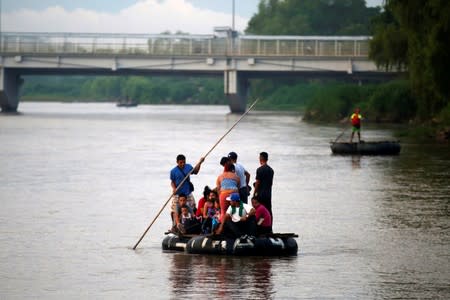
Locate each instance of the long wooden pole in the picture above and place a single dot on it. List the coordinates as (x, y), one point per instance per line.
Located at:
(339, 136)
(187, 175)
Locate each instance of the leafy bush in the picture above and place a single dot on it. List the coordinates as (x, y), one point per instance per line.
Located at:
(392, 102)
(335, 102)
(150, 90)
(444, 116)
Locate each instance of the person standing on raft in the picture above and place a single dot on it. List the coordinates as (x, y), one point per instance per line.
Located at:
(355, 119)
(263, 183)
(177, 174)
(227, 183)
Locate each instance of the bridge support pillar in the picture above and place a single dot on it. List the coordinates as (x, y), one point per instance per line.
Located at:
(235, 87)
(9, 90)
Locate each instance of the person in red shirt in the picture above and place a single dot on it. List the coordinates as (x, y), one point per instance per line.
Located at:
(356, 124)
(201, 202)
(263, 218)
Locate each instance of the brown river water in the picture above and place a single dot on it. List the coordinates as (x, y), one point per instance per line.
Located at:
(81, 182)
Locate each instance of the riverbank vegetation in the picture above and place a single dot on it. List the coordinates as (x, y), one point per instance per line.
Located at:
(144, 90)
(413, 36)
(408, 36)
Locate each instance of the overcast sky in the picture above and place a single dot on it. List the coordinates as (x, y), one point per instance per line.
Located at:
(127, 16)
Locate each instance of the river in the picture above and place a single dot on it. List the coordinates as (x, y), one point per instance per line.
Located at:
(80, 182)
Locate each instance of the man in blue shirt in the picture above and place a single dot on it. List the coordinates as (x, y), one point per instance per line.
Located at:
(177, 174)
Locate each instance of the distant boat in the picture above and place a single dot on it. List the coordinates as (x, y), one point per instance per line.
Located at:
(366, 148)
(126, 103)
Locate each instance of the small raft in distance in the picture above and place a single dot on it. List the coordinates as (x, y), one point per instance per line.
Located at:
(127, 103)
(366, 148)
(277, 244)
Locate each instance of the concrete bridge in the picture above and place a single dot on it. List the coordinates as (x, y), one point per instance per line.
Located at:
(235, 57)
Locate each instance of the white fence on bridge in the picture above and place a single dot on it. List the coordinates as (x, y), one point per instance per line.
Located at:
(183, 45)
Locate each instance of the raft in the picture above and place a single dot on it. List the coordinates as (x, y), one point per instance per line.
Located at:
(131, 104)
(366, 148)
(276, 244)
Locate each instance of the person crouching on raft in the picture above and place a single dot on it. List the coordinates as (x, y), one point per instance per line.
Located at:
(239, 219)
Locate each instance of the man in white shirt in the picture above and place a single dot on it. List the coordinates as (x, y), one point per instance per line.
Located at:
(243, 175)
(239, 219)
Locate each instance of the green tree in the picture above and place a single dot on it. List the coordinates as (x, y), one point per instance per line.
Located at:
(392, 102)
(312, 17)
(415, 34)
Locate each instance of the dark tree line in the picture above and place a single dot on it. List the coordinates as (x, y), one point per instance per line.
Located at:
(415, 35)
(312, 17)
(408, 35)
(149, 90)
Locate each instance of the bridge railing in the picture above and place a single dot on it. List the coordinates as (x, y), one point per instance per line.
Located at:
(182, 45)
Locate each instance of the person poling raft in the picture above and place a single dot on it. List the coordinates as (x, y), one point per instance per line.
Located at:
(363, 147)
(355, 119)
